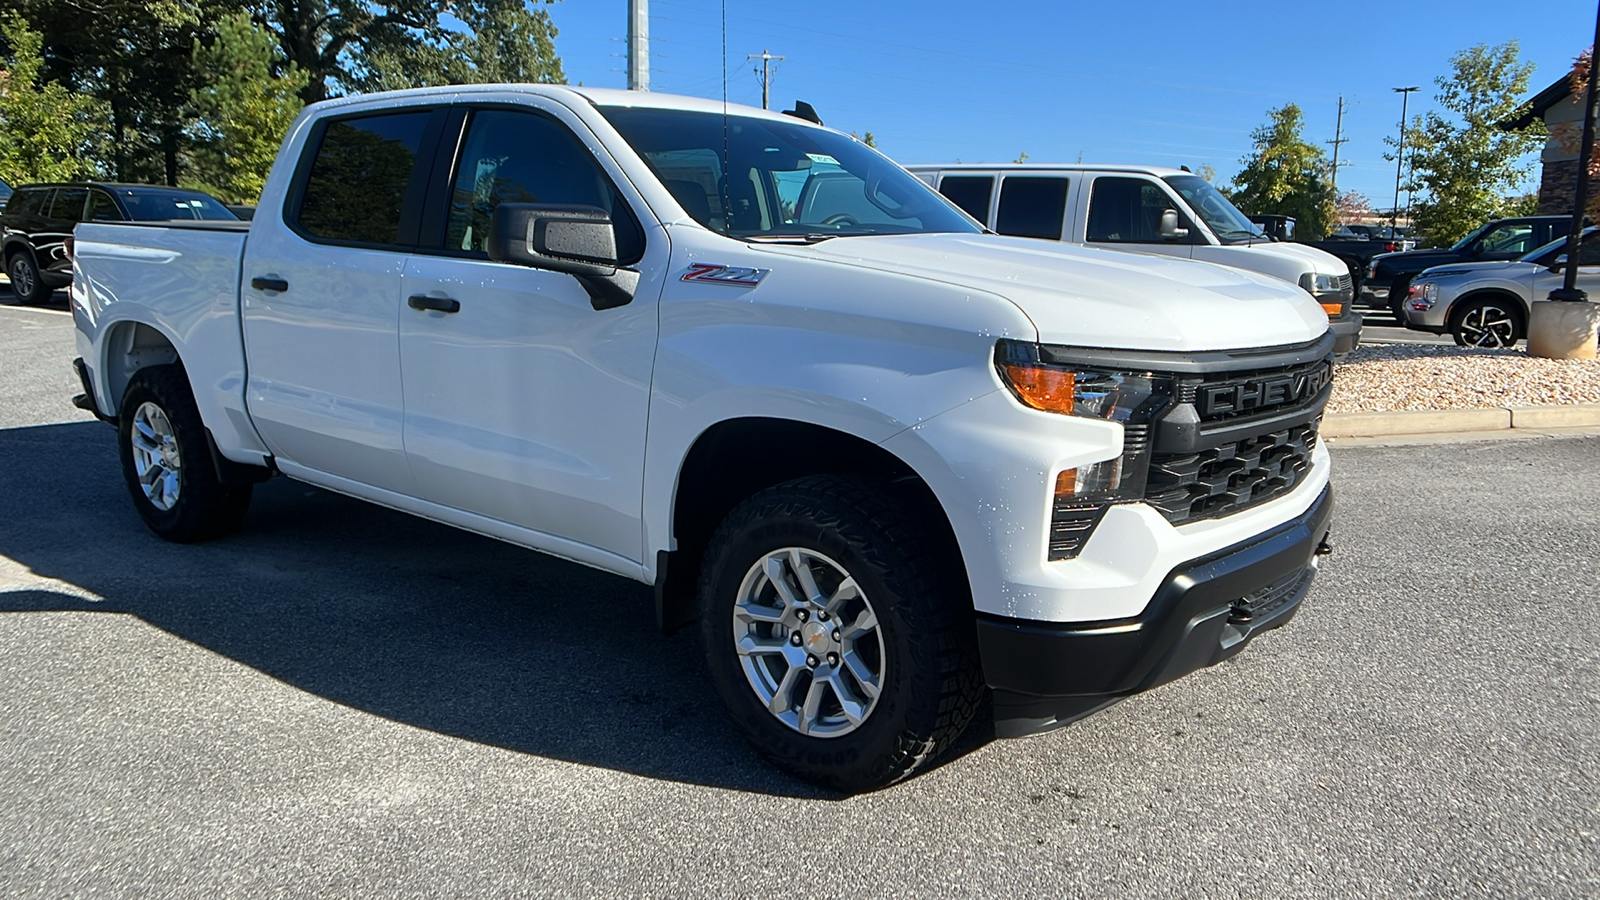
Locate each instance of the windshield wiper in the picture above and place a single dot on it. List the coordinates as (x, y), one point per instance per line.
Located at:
(787, 238)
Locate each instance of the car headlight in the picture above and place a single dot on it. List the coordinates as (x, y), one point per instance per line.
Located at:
(1132, 399)
(1424, 293)
(1316, 283)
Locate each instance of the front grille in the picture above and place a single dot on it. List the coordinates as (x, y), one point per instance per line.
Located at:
(1344, 283)
(1269, 599)
(1238, 395)
(1226, 479)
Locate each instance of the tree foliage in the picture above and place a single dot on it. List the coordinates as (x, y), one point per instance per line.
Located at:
(46, 131)
(1464, 165)
(1353, 205)
(500, 41)
(1285, 175)
(241, 111)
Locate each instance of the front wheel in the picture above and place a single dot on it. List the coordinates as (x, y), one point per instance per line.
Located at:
(25, 280)
(1486, 323)
(167, 463)
(839, 636)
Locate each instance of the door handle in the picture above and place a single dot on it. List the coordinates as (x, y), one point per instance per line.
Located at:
(437, 304)
(269, 284)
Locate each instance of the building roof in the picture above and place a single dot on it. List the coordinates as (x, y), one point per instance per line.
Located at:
(1536, 106)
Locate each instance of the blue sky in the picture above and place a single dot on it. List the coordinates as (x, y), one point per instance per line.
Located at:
(1156, 83)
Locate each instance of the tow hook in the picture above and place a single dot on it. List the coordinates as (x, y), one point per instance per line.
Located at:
(1323, 547)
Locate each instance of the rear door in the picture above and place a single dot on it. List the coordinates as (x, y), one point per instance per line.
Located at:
(51, 241)
(525, 403)
(321, 297)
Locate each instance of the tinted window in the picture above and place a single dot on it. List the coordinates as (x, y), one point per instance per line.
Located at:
(1126, 210)
(1589, 251)
(28, 201)
(102, 208)
(359, 179)
(69, 203)
(756, 178)
(157, 205)
(1032, 207)
(516, 157)
(1514, 240)
(971, 193)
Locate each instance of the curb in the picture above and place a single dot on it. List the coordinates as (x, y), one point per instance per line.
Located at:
(1438, 421)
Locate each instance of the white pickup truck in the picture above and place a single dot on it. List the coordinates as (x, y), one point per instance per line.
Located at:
(884, 460)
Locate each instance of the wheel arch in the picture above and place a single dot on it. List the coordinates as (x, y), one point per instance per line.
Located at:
(1487, 293)
(735, 458)
(127, 347)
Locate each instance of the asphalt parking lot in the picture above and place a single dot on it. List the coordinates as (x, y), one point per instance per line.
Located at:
(345, 701)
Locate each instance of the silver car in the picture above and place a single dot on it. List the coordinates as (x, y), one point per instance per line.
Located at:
(1486, 304)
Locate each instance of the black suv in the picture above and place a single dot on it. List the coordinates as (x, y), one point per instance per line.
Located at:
(36, 227)
(1389, 274)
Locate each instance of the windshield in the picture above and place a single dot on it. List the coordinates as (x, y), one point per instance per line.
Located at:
(147, 205)
(1223, 218)
(1474, 235)
(780, 180)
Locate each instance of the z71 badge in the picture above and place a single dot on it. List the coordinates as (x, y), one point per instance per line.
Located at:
(738, 276)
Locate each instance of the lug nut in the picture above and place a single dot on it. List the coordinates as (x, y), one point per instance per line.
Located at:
(811, 661)
(836, 635)
(822, 616)
(802, 615)
(833, 659)
(794, 638)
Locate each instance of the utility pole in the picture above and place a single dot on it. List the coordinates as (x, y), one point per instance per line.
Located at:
(1338, 138)
(638, 45)
(1399, 158)
(766, 73)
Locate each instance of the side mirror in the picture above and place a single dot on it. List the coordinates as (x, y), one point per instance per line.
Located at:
(1559, 263)
(577, 240)
(1169, 229)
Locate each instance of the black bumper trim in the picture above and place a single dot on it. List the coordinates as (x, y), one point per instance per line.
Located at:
(86, 400)
(1047, 674)
(1346, 333)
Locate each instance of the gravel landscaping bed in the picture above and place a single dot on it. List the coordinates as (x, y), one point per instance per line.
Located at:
(1388, 377)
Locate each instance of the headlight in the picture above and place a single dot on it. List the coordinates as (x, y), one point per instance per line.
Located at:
(1316, 283)
(1424, 292)
(1132, 399)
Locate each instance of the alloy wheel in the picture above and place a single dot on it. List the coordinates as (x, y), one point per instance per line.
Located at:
(809, 642)
(1488, 326)
(155, 456)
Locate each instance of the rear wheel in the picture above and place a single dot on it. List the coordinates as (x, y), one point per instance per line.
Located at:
(1487, 323)
(838, 635)
(167, 462)
(25, 282)
(1397, 298)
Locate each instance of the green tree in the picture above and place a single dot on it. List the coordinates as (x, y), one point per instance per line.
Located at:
(241, 110)
(501, 41)
(46, 131)
(1464, 165)
(1285, 175)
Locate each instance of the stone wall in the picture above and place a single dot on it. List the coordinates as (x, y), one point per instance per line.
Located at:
(1557, 184)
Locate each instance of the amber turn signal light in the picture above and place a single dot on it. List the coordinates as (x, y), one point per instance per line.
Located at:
(1049, 388)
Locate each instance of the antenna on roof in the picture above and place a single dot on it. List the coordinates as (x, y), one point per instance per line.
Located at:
(803, 110)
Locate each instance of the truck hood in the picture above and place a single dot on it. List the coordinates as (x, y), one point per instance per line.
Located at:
(1313, 259)
(1097, 298)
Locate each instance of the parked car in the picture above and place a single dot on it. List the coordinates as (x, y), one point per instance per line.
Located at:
(880, 458)
(1143, 209)
(36, 226)
(1389, 275)
(1487, 304)
(1352, 248)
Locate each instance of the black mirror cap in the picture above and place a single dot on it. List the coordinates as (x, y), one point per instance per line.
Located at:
(578, 240)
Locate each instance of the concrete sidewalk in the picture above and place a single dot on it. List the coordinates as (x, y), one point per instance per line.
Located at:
(1456, 421)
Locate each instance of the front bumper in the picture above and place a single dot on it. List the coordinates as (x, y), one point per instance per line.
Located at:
(1346, 332)
(1047, 674)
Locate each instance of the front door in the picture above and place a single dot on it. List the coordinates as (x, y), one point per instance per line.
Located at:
(1125, 214)
(526, 404)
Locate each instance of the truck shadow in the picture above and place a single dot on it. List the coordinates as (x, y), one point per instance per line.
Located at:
(402, 618)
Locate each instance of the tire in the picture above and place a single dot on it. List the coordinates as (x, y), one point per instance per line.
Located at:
(25, 281)
(1398, 290)
(1490, 322)
(167, 462)
(914, 640)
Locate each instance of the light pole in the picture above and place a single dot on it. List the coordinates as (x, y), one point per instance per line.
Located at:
(1400, 157)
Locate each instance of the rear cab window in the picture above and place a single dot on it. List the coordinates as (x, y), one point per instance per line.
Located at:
(362, 186)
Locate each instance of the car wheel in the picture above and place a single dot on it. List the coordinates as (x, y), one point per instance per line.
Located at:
(25, 283)
(167, 463)
(1486, 323)
(1398, 291)
(838, 632)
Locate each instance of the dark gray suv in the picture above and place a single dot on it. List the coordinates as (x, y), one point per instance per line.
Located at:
(36, 226)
